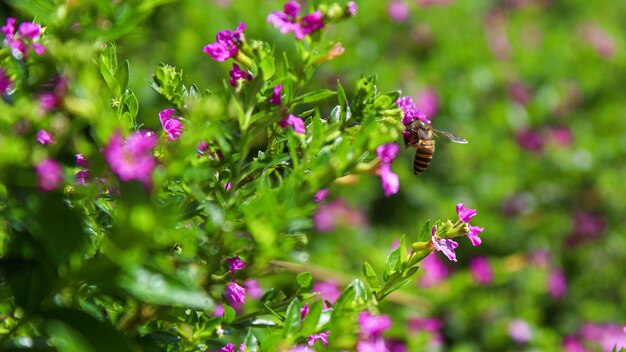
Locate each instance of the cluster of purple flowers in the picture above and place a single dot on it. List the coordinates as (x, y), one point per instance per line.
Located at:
(27, 37)
(446, 245)
(227, 44)
(288, 21)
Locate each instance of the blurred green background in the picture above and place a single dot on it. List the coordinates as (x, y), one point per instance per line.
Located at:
(537, 87)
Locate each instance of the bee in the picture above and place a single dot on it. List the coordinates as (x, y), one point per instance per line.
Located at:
(420, 136)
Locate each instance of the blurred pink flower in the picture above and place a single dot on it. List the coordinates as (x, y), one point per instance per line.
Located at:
(520, 331)
(237, 74)
(587, 226)
(295, 122)
(410, 111)
(322, 336)
(50, 174)
(389, 180)
(497, 36)
(557, 283)
(320, 195)
(530, 139)
(288, 21)
(172, 126)
(253, 289)
(372, 326)
(394, 345)
(598, 38)
(352, 8)
(235, 263)
(131, 158)
(44, 137)
(398, 10)
(571, 344)
(481, 270)
(5, 82)
(235, 293)
(428, 101)
(276, 99)
(429, 325)
(304, 311)
(519, 92)
(427, 3)
(560, 135)
(605, 335)
(81, 177)
(338, 213)
(329, 290)
(434, 271)
(81, 161)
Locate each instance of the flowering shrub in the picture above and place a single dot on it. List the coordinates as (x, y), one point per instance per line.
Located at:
(143, 208)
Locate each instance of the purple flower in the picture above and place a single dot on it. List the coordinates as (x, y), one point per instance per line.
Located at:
(465, 214)
(228, 348)
(304, 311)
(320, 195)
(434, 271)
(81, 161)
(352, 8)
(5, 82)
(445, 245)
(9, 28)
(50, 175)
(219, 310)
(428, 101)
(132, 159)
(295, 122)
(328, 290)
(235, 264)
(481, 270)
(47, 101)
(586, 227)
(599, 39)
(395, 345)
(29, 30)
(371, 345)
(389, 180)
(39, 49)
(520, 331)
(226, 45)
(235, 293)
(275, 99)
(410, 111)
(253, 288)
(398, 10)
(338, 213)
(530, 139)
(237, 74)
(557, 284)
(81, 177)
(606, 336)
(172, 126)
(372, 326)
(44, 137)
(322, 336)
(560, 135)
(472, 234)
(287, 21)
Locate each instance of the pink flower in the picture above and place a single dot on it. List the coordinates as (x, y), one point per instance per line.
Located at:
(398, 10)
(275, 99)
(444, 245)
(235, 293)
(172, 126)
(50, 175)
(81, 177)
(237, 74)
(372, 345)
(81, 161)
(372, 326)
(47, 102)
(428, 101)
(389, 180)
(20, 42)
(606, 336)
(587, 226)
(434, 271)
(228, 348)
(352, 8)
(472, 234)
(328, 290)
(599, 39)
(481, 270)
(227, 44)
(338, 213)
(304, 311)
(9, 28)
(5, 82)
(410, 111)
(235, 264)
(520, 331)
(530, 140)
(465, 214)
(253, 289)
(44, 137)
(29, 30)
(571, 344)
(557, 284)
(132, 159)
(287, 21)
(560, 135)
(295, 122)
(320, 195)
(322, 336)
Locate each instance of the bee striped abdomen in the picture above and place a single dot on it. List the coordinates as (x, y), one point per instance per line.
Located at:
(423, 156)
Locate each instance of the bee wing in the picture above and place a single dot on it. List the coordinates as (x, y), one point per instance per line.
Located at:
(451, 136)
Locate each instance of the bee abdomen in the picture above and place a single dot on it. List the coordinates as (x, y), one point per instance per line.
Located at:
(423, 156)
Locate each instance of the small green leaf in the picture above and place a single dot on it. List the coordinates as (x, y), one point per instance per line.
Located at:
(131, 103)
(310, 322)
(251, 342)
(305, 281)
(342, 99)
(404, 256)
(424, 235)
(392, 264)
(315, 96)
(268, 68)
(371, 277)
(292, 319)
(122, 76)
(229, 314)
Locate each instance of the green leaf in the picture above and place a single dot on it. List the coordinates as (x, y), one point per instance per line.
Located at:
(392, 264)
(315, 96)
(403, 252)
(425, 233)
(305, 281)
(131, 103)
(292, 319)
(310, 322)
(371, 277)
(70, 327)
(229, 314)
(342, 99)
(268, 68)
(251, 342)
(122, 76)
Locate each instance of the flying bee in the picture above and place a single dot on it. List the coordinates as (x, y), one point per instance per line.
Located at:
(420, 136)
